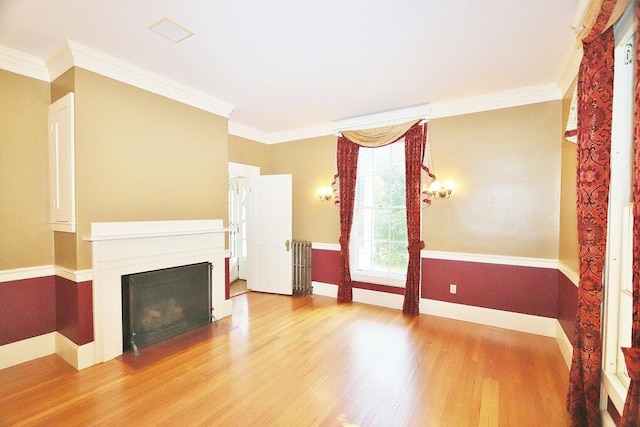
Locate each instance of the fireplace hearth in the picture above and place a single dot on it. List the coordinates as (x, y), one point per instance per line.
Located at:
(161, 304)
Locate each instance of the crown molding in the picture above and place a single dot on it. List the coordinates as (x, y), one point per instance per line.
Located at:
(76, 54)
(384, 119)
(475, 104)
(497, 100)
(24, 64)
(570, 71)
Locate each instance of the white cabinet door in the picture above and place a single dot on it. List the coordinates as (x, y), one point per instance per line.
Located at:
(269, 223)
(62, 188)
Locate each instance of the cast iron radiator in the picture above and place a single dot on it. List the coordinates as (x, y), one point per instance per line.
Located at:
(302, 267)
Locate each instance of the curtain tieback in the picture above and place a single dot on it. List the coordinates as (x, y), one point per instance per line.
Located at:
(415, 246)
(632, 360)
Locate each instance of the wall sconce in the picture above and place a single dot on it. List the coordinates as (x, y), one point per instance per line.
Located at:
(325, 193)
(439, 190)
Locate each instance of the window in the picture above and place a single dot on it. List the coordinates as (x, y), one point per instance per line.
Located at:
(379, 234)
(618, 268)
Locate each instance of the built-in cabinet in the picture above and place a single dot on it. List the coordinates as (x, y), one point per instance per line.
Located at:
(62, 181)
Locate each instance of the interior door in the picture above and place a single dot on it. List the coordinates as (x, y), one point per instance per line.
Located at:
(269, 224)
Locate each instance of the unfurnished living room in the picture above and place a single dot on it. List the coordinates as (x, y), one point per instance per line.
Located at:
(355, 213)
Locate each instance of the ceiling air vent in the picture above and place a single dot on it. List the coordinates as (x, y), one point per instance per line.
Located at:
(170, 30)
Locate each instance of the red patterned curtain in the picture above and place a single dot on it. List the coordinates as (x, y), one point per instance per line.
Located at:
(414, 147)
(631, 413)
(347, 159)
(595, 101)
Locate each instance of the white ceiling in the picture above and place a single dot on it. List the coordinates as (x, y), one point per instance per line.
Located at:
(294, 64)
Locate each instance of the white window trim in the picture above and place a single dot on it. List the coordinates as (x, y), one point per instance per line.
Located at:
(613, 386)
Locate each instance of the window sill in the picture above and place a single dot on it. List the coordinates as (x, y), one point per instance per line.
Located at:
(395, 281)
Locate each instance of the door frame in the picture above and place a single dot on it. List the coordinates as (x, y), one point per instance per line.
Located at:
(243, 171)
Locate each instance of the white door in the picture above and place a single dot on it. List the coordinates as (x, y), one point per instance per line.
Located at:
(269, 224)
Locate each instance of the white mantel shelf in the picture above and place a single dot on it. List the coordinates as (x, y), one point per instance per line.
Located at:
(143, 229)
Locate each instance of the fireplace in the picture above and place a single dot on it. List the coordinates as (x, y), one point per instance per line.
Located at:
(125, 248)
(161, 304)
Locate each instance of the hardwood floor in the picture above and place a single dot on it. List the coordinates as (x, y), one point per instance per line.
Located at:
(307, 361)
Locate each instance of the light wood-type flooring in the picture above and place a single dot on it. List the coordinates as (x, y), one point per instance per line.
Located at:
(305, 361)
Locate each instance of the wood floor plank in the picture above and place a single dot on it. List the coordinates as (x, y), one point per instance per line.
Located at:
(307, 361)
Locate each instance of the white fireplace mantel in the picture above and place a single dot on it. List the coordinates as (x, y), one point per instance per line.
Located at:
(121, 248)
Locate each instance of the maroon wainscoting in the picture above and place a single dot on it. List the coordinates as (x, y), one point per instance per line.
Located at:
(527, 290)
(27, 309)
(567, 306)
(325, 266)
(74, 310)
(227, 285)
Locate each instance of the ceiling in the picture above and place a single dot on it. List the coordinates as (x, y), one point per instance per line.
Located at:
(286, 65)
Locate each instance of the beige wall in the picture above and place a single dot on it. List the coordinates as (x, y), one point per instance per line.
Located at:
(248, 152)
(143, 157)
(25, 237)
(568, 244)
(312, 162)
(506, 165)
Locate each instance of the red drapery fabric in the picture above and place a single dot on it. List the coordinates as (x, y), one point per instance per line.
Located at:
(414, 147)
(631, 412)
(347, 162)
(347, 159)
(595, 100)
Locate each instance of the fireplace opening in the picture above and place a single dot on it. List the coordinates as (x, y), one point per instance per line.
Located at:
(161, 304)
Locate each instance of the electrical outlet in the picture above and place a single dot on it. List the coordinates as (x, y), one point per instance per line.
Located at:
(452, 288)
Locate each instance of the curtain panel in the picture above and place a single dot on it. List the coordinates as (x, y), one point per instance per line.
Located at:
(595, 102)
(344, 183)
(631, 412)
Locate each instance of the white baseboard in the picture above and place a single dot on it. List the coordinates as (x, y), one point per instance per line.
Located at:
(538, 325)
(566, 348)
(364, 296)
(485, 316)
(78, 356)
(19, 352)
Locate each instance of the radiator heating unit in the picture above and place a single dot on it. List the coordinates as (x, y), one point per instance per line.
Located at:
(302, 267)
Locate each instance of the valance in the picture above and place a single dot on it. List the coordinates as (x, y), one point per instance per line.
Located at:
(378, 137)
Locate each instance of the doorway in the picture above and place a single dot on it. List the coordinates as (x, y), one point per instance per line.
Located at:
(238, 250)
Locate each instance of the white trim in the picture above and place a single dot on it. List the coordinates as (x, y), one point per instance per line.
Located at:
(23, 351)
(384, 119)
(22, 63)
(566, 348)
(78, 356)
(492, 101)
(325, 289)
(326, 246)
(607, 421)
(121, 248)
(569, 272)
(615, 389)
(538, 325)
(497, 100)
(117, 69)
(491, 259)
(485, 316)
(76, 276)
(239, 169)
(26, 273)
(364, 296)
(570, 71)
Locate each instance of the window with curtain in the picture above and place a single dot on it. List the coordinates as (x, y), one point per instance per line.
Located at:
(379, 233)
(619, 264)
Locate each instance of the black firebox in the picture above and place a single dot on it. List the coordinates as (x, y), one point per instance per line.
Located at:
(161, 304)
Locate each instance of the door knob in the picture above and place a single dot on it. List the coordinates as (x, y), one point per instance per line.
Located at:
(287, 245)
